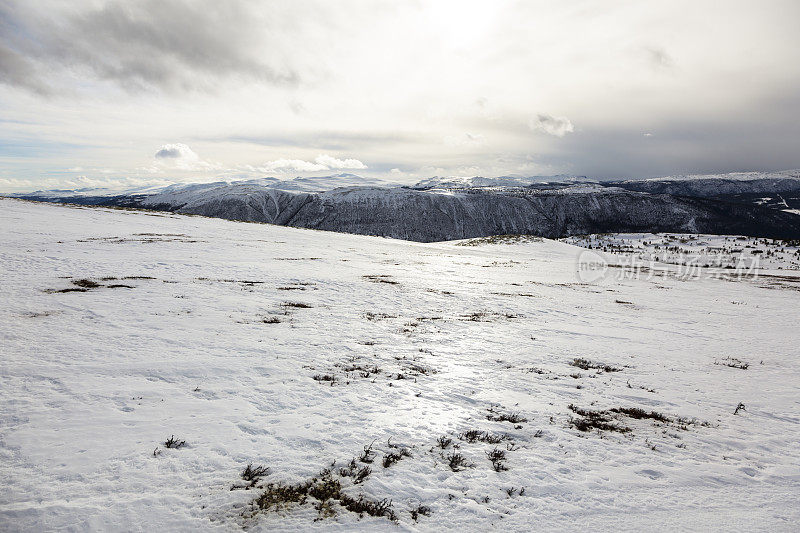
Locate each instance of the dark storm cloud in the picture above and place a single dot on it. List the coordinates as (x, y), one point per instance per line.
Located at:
(16, 70)
(151, 44)
(744, 143)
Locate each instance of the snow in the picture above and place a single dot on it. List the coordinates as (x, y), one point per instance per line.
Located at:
(737, 176)
(299, 184)
(93, 382)
(715, 251)
(461, 182)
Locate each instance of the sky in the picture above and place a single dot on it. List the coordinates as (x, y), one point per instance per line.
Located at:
(147, 92)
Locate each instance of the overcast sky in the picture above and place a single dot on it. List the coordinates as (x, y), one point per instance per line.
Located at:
(153, 91)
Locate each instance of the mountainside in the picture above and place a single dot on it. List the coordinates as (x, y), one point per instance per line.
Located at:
(447, 214)
(315, 381)
(777, 190)
(425, 217)
(447, 209)
(708, 184)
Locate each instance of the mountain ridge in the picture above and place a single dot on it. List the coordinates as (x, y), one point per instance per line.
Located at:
(448, 209)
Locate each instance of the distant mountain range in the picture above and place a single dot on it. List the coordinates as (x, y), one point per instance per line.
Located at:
(762, 204)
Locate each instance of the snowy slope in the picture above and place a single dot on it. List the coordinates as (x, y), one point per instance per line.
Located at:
(725, 183)
(214, 331)
(460, 182)
(734, 176)
(723, 251)
(718, 185)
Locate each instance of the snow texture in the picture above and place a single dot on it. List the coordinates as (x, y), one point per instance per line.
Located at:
(214, 331)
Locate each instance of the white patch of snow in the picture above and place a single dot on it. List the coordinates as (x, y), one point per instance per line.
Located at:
(225, 325)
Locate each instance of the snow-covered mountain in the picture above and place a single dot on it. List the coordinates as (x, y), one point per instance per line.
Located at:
(296, 184)
(457, 208)
(462, 182)
(776, 190)
(443, 214)
(382, 385)
(714, 185)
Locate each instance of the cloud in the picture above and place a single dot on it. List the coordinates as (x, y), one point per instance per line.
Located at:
(320, 163)
(180, 157)
(17, 70)
(468, 139)
(556, 126)
(297, 165)
(332, 163)
(176, 151)
(170, 45)
(274, 84)
(658, 57)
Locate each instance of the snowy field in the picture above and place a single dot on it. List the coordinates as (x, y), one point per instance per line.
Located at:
(489, 386)
(715, 251)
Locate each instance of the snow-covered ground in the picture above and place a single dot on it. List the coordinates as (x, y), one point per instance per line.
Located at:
(226, 335)
(719, 251)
